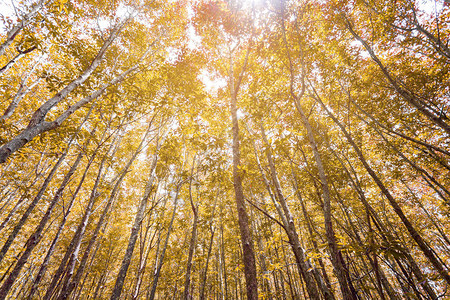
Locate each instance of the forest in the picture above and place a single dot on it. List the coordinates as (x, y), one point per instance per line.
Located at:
(225, 149)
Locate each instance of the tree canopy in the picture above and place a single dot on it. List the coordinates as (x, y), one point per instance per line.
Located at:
(223, 149)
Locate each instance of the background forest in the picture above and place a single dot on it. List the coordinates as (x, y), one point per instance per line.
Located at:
(265, 149)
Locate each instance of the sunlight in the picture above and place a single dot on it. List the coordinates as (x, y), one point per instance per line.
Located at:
(212, 84)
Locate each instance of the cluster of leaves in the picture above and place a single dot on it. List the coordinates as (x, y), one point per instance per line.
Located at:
(139, 179)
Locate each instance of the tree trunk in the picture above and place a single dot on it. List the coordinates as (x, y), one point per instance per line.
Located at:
(341, 271)
(303, 263)
(192, 244)
(35, 238)
(41, 191)
(407, 95)
(205, 269)
(38, 125)
(135, 230)
(244, 228)
(163, 251)
(426, 250)
(24, 21)
(69, 283)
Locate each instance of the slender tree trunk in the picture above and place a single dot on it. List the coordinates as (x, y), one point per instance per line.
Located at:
(59, 272)
(24, 21)
(11, 62)
(410, 98)
(17, 206)
(104, 276)
(370, 212)
(38, 125)
(143, 258)
(311, 234)
(205, 269)
(244, 228)
(163, 251)
(23, 90)
(426, 250)
(41, 191)
(336, 255)
(425, 175)
(69, 283)
(391, 131)
(430, 217)
(303, 263)
(262, 258)
(37, 235)
(70, 268)
(32, 205)
(222, 253)
(341, 271)
(192, 244)
(135, 230)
